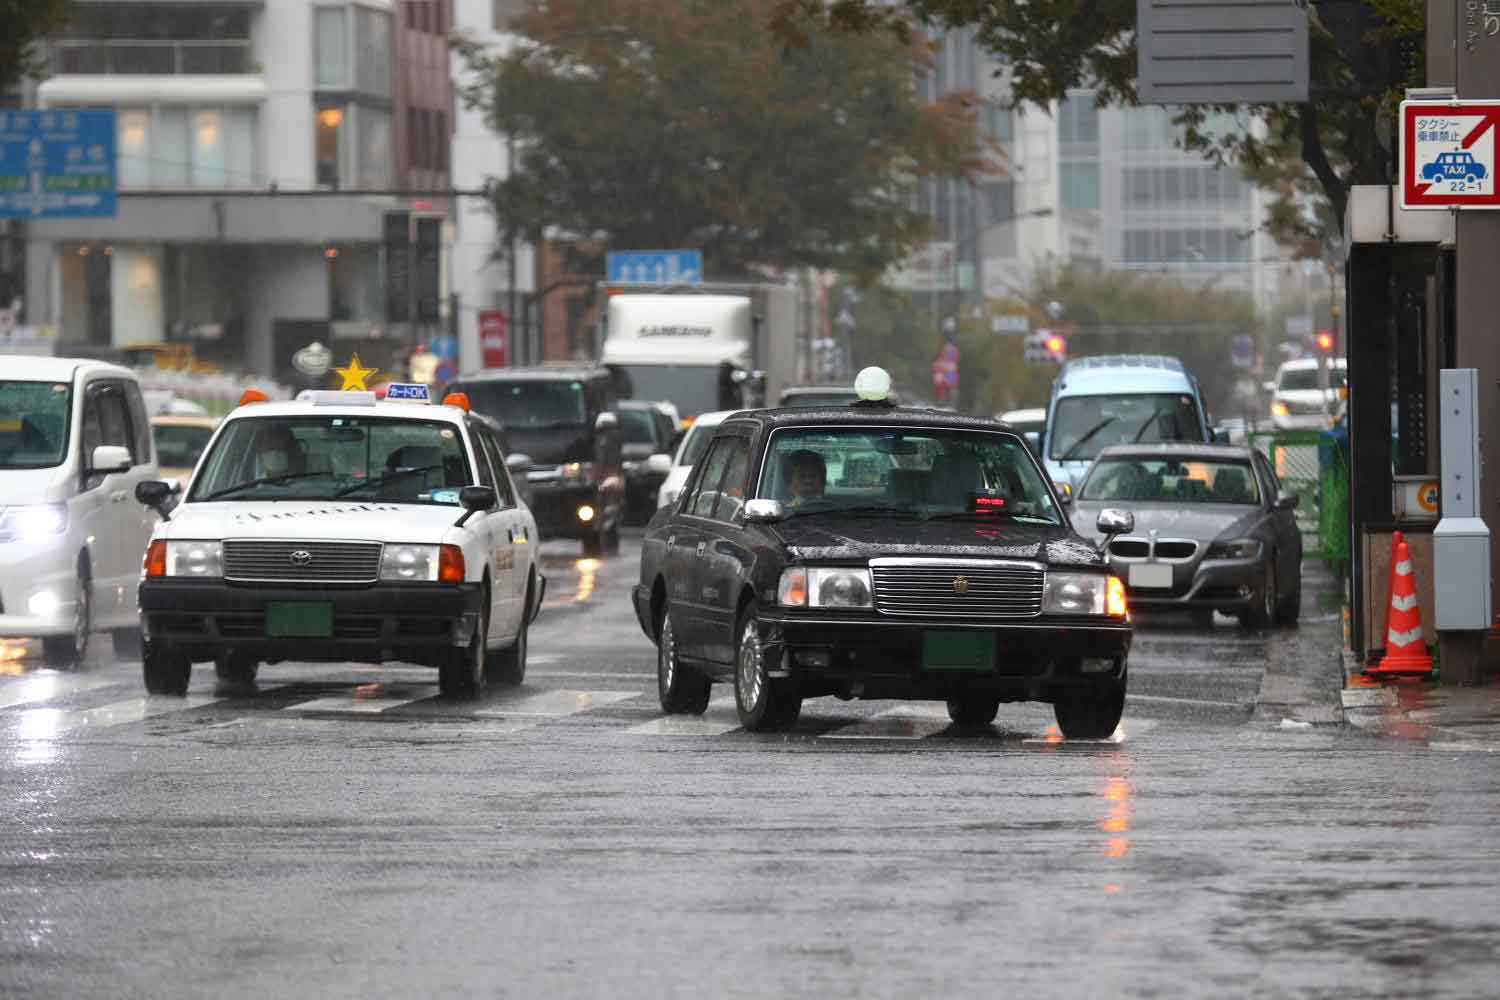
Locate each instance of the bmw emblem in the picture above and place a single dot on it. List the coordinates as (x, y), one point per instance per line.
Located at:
(301, 557)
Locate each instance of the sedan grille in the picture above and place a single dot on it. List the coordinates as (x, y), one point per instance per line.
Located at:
(1130, 548)
(1176, 549)
(957, 590)
(301, 562)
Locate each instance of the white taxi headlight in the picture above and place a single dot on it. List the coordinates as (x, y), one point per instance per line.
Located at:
(1075, 594)
(409, 562)
(838, 587)
(33, 522)
(200, 559)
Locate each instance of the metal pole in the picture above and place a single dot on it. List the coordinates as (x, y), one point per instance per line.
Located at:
(511, 317)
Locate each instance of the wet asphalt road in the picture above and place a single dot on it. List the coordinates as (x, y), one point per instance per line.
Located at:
(344, 832)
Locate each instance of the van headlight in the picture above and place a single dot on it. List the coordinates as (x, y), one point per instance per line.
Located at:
(409, 562)
(195, 559)
(33, 522)
(576, 473)
(825, 587)
(1075, 594)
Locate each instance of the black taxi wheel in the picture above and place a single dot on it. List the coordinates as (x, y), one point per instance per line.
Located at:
(165, 672)
(764, 704)
(681, 690)
(1089, 713)
(969, 710)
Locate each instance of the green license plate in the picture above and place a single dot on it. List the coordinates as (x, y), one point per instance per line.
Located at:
(299, 620)
(966, 651)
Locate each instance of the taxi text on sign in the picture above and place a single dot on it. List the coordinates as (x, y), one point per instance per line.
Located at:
(1449, 154)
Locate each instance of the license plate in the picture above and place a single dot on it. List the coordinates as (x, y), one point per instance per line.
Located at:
(299, 620)
(965, 651)
(1150, 575)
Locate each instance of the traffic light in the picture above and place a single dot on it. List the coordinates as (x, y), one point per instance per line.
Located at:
(1044, 347)
(1057, 349)
(1325, 341)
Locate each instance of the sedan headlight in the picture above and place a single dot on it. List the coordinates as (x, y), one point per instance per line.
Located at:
(409, 562)
(196, 559)
(1076, 594)
(33, 522)
(1239, 548)
(576, 473)
(824, 587)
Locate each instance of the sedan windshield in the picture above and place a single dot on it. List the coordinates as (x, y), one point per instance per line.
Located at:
(34, 424)
(909, 471)
(1086, 425)
(333, 457)
(1171, 480)
(528, 405)
(179, 446)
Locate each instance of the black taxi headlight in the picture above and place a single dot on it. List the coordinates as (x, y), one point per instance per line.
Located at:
(1075, 594)
(840, 588)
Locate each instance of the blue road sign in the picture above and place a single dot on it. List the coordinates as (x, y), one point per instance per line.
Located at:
(657, 267)
(57, 164)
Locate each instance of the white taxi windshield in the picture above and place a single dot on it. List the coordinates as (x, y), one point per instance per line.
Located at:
(335, 458)
(923, 472)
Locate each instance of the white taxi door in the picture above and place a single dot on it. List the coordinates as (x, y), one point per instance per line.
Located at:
(498, 530)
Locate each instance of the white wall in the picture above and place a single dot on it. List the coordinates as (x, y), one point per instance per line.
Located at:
(137, 309)
(286, 282)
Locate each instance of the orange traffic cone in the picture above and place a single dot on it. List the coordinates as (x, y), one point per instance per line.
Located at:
(1397, 540)
(1405, 645)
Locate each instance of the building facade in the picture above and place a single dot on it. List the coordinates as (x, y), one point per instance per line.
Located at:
(261, 144)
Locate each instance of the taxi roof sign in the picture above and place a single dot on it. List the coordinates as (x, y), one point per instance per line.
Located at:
(1449, 152)
(407, 392)
(336, 397)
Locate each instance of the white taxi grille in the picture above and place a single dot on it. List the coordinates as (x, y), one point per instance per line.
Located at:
(257, 561)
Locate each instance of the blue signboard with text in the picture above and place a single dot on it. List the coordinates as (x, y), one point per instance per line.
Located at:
(57, 163)
(655, 267)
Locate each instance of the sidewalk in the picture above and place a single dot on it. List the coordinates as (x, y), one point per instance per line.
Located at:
(1453, 718)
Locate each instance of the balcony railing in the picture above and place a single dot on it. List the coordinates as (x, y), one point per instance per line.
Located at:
(115, 56)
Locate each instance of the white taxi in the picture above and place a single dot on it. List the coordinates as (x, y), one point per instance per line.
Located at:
(338, 528)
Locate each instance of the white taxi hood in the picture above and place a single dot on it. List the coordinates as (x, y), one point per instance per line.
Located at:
(21, 486)
(313, 520)
(679, 329)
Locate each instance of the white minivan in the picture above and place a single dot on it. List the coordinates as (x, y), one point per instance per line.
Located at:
(74, 441)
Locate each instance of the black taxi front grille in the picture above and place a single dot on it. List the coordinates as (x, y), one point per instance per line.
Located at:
(957, 590)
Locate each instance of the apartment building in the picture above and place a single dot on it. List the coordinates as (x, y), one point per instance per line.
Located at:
(259, 143)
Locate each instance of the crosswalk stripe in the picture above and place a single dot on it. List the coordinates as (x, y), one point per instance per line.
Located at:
(33, 688)
(554, 704)
(364, 699)
(904, 722)
(720, 718)
(45, 723)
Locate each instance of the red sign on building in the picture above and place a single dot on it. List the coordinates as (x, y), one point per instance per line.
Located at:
(1448, 154)
(494, 340)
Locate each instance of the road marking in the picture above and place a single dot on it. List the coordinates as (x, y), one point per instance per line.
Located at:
(45, 723)
(1126, 730)
(720, 718)
(555, 704)
(364, 699)
(904, 722)
(1241, 706)
(33, 688)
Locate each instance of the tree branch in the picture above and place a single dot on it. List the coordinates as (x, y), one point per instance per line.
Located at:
(1316, 157)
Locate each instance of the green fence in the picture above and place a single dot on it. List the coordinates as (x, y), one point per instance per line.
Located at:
(1312, 467)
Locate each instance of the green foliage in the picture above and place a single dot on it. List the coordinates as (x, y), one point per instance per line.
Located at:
(23, 23)
(668, 123)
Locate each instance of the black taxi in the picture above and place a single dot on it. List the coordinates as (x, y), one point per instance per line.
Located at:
(870, 551)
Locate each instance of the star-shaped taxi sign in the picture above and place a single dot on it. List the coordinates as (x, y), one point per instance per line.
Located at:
(354, 374)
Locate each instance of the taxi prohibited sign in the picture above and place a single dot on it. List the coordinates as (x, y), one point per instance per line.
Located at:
(1448, 154)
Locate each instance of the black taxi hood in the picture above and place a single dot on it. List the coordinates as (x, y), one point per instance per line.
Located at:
(838, 537)
(553, 445)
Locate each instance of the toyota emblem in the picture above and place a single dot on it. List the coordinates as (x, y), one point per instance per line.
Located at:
(301, 557)
(961, 585)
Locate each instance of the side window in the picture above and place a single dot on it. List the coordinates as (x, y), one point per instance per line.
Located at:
(732, 491)
(1273, 485)
(481, 458)
(139, 422)
(114, 420)
(93, 431)
(503, 488)
(706, 491)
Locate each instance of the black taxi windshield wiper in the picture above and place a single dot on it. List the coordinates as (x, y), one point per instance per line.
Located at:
(261, 481)
(399, 473)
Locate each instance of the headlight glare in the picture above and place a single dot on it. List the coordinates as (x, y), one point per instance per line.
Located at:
(33, 522)
(195, 559)
(409, 563)
(577, 472)
(1075, 594)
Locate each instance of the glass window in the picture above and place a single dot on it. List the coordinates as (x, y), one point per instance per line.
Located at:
(694, 445)
(1138, 182)
(1144, 479)
(638, 426)
(372, 45)
(732, 489)
(1303, 379)
(706, 491)
(170, 148)
(114, 421)
(34, 424)
(1080, 185)
(330, 134)
(905, 472)
(1086, 425)
(334, 457)
(133, 127)
(180, 447)
(330, 48)
(374, 148)
(1078, 120)
(210, 149)
(239, 149)
(527, 404)
(694, 388)
(140, 424)
(486, 441)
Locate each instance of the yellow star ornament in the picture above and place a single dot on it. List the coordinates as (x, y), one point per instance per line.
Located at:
(354, 374)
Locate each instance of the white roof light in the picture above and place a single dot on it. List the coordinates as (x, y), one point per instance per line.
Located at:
(873, 384)
(336, 397)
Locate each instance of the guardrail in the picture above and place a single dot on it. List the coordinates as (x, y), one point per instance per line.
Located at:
(1310, 464)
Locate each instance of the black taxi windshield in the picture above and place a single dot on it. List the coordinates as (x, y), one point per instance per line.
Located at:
(527, 404)
(335, 458)
(908, 472)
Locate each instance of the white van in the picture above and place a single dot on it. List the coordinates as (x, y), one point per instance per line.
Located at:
(74, 441)
(1118, 399)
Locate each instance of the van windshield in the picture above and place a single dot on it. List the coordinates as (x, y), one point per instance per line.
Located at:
(1085, 425)
(1300, 379)
(528, 405)
(34, 424)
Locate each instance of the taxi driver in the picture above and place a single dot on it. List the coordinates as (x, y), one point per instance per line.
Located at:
(805, 475)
